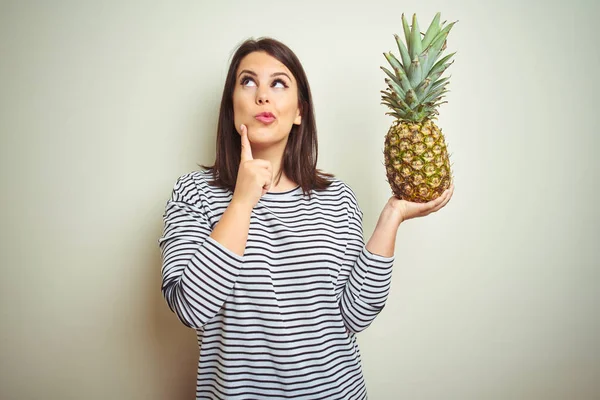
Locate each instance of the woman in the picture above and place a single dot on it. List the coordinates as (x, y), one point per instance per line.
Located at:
(263, 254)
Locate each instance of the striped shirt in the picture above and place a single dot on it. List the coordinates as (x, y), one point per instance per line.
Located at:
(279, 322)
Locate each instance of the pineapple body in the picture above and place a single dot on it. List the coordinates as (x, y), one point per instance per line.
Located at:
(416, 161)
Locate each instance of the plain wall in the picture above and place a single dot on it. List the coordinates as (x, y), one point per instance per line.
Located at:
(104, 104)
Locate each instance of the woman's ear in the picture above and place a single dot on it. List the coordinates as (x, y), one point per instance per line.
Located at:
(298, 119)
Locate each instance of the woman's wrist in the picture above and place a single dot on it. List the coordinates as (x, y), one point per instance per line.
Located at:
(240, 206)
(391, 215)
(383, 240)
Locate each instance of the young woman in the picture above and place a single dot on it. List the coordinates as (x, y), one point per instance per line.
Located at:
(263, 254)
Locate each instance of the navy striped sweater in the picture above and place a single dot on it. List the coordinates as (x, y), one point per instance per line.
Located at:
(279, 322)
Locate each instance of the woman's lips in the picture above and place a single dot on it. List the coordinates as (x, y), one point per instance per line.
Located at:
(265, 119)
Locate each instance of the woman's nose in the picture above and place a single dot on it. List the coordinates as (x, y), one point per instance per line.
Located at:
(261, 97)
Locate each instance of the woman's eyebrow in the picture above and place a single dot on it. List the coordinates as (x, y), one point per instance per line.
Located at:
(272, 75)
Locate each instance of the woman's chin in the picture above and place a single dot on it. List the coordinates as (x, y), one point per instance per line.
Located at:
(265, 136)
(266, 141)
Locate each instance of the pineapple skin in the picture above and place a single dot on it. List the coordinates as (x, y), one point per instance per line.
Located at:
(417, 161)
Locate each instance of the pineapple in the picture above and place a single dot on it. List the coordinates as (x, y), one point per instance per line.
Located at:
(416, 156)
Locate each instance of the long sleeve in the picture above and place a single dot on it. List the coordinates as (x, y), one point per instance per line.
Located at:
(198, 273)
(365, 278)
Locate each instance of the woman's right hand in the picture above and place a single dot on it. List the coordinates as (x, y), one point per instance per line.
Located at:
(254, 176)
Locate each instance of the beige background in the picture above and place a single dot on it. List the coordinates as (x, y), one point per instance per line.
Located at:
(104, 104)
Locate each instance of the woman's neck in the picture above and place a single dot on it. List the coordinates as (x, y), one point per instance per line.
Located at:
(283, 185)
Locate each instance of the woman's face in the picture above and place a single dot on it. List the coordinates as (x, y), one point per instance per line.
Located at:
(265, 99)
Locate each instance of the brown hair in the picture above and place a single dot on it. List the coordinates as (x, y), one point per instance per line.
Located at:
(300, 155)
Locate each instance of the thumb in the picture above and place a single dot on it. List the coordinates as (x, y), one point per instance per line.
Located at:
(246, 149)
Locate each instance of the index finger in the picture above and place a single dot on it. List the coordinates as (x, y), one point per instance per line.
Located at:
(246, 149)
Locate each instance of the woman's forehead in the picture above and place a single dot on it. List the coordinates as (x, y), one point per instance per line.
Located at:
(262, 63)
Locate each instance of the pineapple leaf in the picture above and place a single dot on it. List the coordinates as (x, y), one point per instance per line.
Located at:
(394, 87)
(423, 88)
(394, 104)
(431, 98)
(397, 115)
(441, 81)
(411, 98)
(387, 94)
(425, 83)
(388, 100)
(393, 61)
(434, 95)
(424, 61)
(403, 51)
(407, 35)
(415, 39)
(403, 79)
(440, 62)
(432, 31)
(396, 80)
(402, 105)
(437, 44)
(437, 84)
(414, 73)
(438, 70)
(393, 77)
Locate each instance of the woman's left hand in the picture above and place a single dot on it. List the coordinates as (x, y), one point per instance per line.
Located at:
(405, 210)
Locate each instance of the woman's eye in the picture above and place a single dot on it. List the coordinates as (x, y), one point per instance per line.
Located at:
(246, 82)
(280, 83)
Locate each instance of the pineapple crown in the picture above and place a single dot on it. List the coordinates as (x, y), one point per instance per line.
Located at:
(414, 88)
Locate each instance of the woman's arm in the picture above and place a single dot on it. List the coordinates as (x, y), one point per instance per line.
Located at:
(201, 263)
(198, 272)
(365, 277)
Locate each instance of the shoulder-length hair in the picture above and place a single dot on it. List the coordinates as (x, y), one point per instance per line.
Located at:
(300, 155)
